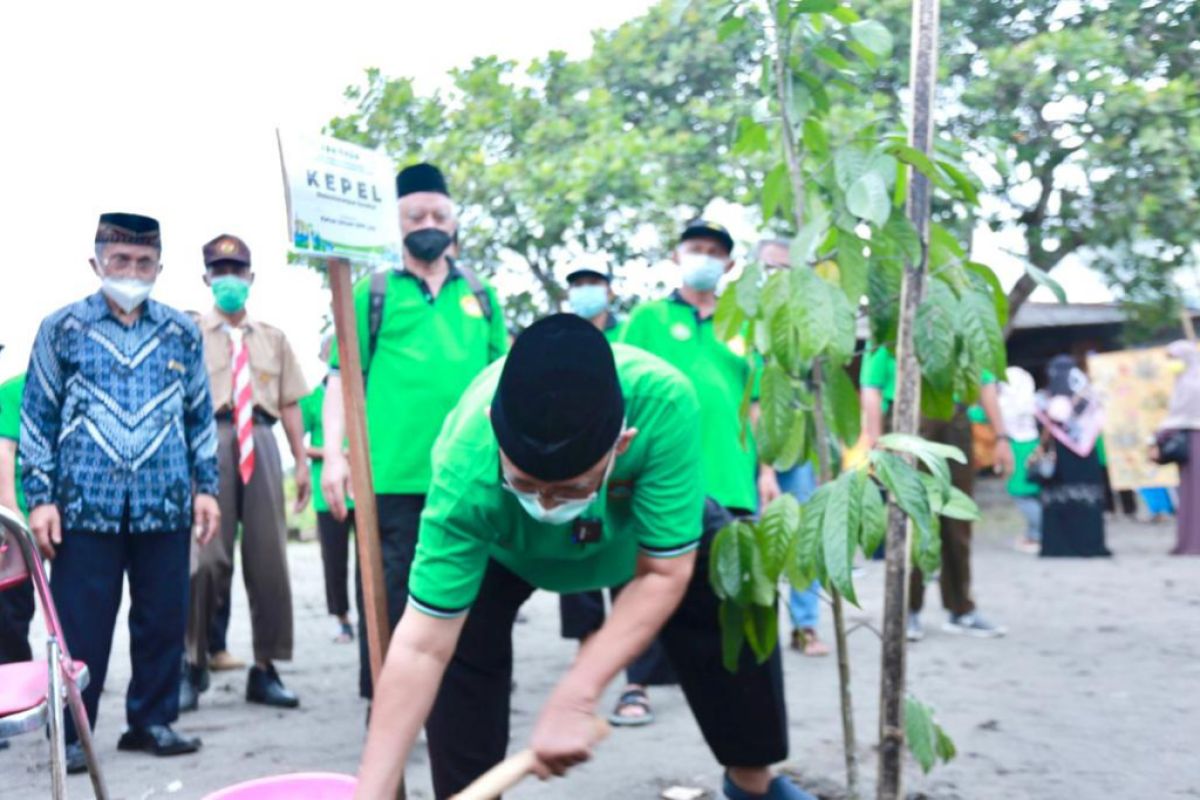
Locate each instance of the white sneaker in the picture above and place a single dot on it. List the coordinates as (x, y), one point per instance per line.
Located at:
(972, 624)
(914, 631)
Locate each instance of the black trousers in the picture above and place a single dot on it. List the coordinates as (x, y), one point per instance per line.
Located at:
(86, 580)
(16, 611)
(399, 520)
(335, 558)
(742, 715)
(583, 613)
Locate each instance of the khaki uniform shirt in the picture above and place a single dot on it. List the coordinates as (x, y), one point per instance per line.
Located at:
(275, 375)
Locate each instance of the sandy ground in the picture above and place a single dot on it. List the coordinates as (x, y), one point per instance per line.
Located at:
(1092, 694)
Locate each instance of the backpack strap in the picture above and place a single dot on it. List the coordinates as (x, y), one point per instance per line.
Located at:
(477, 288)
(378, 295)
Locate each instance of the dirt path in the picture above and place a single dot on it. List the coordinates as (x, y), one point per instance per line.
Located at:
(1092, 694)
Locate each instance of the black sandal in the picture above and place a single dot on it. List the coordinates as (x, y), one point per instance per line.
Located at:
(632, 698)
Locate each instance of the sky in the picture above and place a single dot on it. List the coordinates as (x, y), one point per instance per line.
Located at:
(170, 109)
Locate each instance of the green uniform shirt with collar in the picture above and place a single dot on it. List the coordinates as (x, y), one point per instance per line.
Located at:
(10, 426)
(428, 351)
(614, 329)
(651, 504)
(878, 371)
(311, 409)
(672, 330)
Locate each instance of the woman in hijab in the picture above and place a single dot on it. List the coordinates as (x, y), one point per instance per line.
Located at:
(1018, 402)
(1073, 493)
(1184, 415)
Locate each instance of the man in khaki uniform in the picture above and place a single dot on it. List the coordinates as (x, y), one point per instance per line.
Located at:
(255, 382)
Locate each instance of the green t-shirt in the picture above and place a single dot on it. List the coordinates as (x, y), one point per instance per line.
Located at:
(10, 425)
(310, 411)
(878, 371)
(429, 350)
(652, 501)
(718, 370)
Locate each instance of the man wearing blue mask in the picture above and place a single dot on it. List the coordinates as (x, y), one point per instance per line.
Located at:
(256, 381)
(572, 465)
(590, 295)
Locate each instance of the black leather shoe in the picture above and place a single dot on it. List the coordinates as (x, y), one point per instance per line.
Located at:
(76, 760)
(264, 686)
(157, 739)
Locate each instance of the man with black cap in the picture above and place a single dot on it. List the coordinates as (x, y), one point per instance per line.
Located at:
(425, 331)
(571, 466)
(590, 295)
(680, 330)
(118, 452)
(256, 381)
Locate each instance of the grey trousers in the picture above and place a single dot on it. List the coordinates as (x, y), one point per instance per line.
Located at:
(258, 506)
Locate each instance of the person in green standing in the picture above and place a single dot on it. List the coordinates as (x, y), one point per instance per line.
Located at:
(877, 381)
(16, 605)
(332, 533)
(425, 330)
(590, 295)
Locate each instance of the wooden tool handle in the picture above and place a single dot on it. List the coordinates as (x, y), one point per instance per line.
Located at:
(511, 771)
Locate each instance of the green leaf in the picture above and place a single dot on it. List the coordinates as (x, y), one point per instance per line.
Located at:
(981, 331)
(814, 6)
(873, 36)
(852, 266)
(874, 518)
(733, 633)
(762, 630)
(919, 733)
(814, 317)
(804, 246)
(831, 57)
(796, 446)
(776, 411)
(845, 329)
(776, 191)
(999, 296)
(806, 561)
(934, 334)
(901, 233)
(842, 405)
(946, 750)
(883, 297)
(736, 566)
(724, 563)
(845, 15)
(937, 403)
(1042, 278)
(904, 485)
(730, 27)
(868, 198)
(960, 506)
(920, 162)
(815, 138)
(779, 526)
(966, 187)
(923, 449)
(840, 532)
(748, 289)
(728, 319)
(849, 164)
(751, 138)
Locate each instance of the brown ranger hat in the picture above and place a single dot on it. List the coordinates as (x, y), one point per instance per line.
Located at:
(226, 247)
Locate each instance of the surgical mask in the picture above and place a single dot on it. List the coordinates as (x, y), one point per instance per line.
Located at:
(127, 293)
(567, 510)
(701, 272)
(588, 301)
(427, 244)
(230, 293)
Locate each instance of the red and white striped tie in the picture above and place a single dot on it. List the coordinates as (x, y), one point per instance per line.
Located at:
(243, 404)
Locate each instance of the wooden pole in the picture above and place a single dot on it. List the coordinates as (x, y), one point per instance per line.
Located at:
(366, 521)
(907, 414)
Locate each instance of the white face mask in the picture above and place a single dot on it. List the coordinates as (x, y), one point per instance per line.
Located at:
(701, 272)
(567, 510)
(127, 293)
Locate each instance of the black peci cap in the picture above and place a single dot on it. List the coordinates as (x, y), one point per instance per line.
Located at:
(589, 273)
(421, 177)
(119, 227)
(558, 407)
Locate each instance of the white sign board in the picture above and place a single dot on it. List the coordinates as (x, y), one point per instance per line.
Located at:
(341, 200)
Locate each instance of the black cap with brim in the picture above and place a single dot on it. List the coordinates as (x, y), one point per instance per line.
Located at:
(704, 229)
(558, 407)
(588, 273)
(421, 177)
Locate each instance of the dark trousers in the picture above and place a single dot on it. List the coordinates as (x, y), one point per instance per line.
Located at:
(335, 558)
(218, 629)
(399, 520)
(583, 613)
(955, 576)
(742, 715)
(16, 611)
(86, 580)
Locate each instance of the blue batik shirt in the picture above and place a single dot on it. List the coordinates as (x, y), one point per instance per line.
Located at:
(118, 416)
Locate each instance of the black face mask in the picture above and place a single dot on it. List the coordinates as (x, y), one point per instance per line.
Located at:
(427, 244)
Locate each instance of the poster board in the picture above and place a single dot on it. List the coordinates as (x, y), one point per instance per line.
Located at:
(1135, 387)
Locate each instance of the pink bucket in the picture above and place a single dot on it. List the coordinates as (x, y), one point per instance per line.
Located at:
(297, 786)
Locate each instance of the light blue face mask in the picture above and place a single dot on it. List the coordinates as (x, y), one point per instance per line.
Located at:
(701, 272)
(567, 510)
(588, 301)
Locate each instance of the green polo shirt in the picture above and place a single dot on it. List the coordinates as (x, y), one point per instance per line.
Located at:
(429, 350)
(878, 371)
(652, 502)
(615, 328)
(10, 425)
(672, 330)
(311, 407)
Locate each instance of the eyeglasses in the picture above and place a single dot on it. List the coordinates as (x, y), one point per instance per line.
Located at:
(122, 263)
